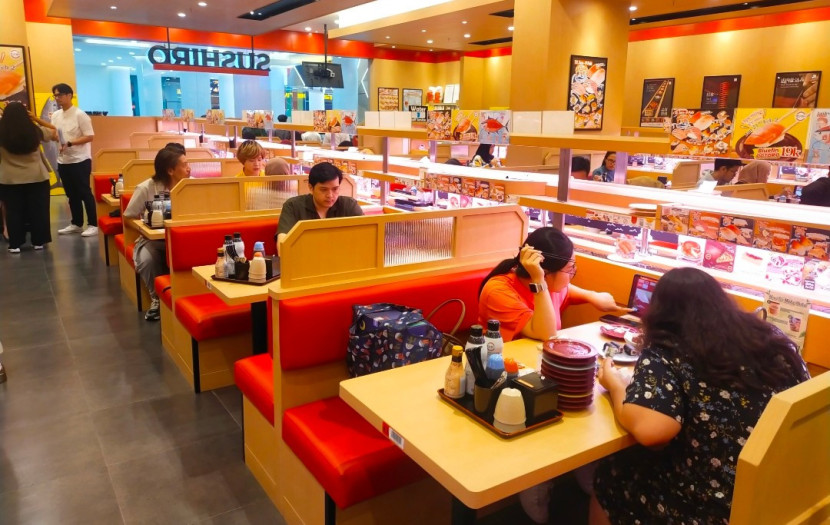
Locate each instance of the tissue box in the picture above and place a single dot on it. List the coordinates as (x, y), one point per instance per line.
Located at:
(540, 394)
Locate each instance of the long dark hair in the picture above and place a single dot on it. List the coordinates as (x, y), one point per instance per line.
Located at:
(18, 134)
(690, 316)
(555, 245)
(166, 159)
(483, 151)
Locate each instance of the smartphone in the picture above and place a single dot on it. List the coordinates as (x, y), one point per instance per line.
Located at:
(613, 319)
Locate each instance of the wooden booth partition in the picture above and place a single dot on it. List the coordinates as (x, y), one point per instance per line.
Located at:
(113, 160)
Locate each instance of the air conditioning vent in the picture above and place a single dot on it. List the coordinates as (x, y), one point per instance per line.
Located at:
(275, 9)
(490, 42)
(712, 11)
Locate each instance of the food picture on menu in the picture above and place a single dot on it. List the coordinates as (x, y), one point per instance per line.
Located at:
(796, 90)
(818, 149)
(702, 132)
(736, 229)
(586, 96)
(658, 94)
(720, 92)
(771, 134)
(388, 99)
(810, 242)
(439, 124)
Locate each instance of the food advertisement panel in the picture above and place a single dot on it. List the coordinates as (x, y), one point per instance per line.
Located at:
(658, 94)
(675, 220)
(497, 192)
(586, 93)
(704, 224)
(187, 115)
(319, 120)
(388, 99)
(771, 134)
(796, 90)
(14, 80)
(412, 97)
(785, 269)
(720, 92)
(789, 313)
(494, 127)
(483, 189)
(719, 256)
(770, 235)
(810, 242)
(465, 125)
(701, 132)
(751, 262)
(816, 275)
(260, 118)
(168, 115)
(740, 230)
(419, 116)
(439, 125)
(818, 147)
(690, 249)
(215, 116)
(341, 121)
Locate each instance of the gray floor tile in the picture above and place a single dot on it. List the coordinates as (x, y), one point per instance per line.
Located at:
(37, 362)
(127, 383)
(149, 427)
(32, 332)
(43, 309)
(83, 498)
(195, 482)
(231, 399)
(107, 349)
(258, 512)
(27, 403)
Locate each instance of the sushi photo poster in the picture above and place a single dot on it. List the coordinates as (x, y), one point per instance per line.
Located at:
(720, 92)
(701, 132)
(771, 134)
(796, 90)
(789, 313)
(586, 93)
(14, 77)
(658, 95)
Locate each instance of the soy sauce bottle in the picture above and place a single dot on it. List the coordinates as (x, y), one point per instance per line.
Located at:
(476, 340)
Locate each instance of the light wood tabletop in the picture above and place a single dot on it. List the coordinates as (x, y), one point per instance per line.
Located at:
(115, 202)
(474, 464)
(153, 234)
(232, 293)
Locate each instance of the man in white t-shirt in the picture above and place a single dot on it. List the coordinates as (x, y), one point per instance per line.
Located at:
(75, 161)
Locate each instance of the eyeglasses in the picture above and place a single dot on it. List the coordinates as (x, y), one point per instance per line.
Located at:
(571, 272)
(56, 95)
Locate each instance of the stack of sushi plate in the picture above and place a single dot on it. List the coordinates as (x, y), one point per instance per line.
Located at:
(572, 364)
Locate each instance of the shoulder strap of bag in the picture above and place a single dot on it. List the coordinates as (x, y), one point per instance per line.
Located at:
(460, 317)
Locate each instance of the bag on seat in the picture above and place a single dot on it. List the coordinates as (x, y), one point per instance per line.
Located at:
(385, 335)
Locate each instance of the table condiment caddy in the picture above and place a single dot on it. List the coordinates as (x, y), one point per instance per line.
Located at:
(232, 266)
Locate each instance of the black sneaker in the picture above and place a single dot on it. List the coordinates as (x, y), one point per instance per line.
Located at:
(2, 374)
(154, 313)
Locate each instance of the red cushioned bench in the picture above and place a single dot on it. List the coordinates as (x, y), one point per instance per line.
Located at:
(204, 335)
(327, 448)
(108, 227)
(130, 280)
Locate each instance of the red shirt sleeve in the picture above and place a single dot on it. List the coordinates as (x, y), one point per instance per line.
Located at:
(506, 299)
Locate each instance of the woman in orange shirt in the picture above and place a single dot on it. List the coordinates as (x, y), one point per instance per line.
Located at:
(528, 292)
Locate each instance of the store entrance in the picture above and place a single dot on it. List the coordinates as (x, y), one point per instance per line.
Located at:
(171, 93)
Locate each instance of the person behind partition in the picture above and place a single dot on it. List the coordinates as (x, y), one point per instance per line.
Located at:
(312, 136)
(605, 172)
(250, 154)
(706, 373)
(277, 166)
(817, 193)
(580, 168)
(483, 156)
(323, 201)
(755, 172)
(149, 255)
(528, 292)
(725, 171)
(284, 134)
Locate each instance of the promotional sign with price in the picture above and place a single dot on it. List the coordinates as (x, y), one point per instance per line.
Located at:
(771, 134)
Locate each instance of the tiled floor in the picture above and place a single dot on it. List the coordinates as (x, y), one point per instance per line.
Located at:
(97, 426)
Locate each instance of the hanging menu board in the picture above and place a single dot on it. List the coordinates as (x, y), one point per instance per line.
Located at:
(818, 139)
(771, 134)
(789, 314)
(658, 94)
(701, 132)
(494, 127)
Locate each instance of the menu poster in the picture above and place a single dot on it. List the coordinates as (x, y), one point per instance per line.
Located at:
(675, 220)
(419, 116)
(720, 92)
(495, 127)
(497, 192)
(215, 116)
(789, 314)
(704, 224)
(319, 121)
(348, 122)
(465, 125)
(412, 97)
(483, 189)
(796, 90)
(752, 263)
(739, 230)
(701, 132)
(259, 118)
(818, 148)
(468, 187)
(439, 125)
(810, 242)
(771, 134)
(443, 183)
(816, 275)
(14, 78)
(168, 115)
(690, 249)
(187, 115)
(719, 256)
(586, 94)
(455, 185)
(389, 99)
(774, 236)
(658, 94)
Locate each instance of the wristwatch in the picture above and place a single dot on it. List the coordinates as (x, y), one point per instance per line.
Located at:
(536, 288)
(68, 144)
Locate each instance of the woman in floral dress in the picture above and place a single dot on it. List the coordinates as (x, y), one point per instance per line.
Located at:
(705, 376)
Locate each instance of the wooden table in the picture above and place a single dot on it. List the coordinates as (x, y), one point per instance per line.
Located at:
(153, 234)
(238, 294)
(471, 462)
(107, 198)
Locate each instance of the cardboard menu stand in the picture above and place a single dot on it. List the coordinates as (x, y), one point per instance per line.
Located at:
(789, 314)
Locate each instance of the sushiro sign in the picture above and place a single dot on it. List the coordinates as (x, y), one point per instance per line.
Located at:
(192, 59)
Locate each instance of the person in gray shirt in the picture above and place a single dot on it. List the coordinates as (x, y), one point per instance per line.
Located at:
(324, 201)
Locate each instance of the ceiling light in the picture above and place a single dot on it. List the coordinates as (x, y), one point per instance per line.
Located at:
(202, 4)
(393, 47)
(632, 8)
(430, 49)
(388, 37)
(78, 49)
(378, 9)
(110, 60)
(423, 30)
(182, 15)
(510, 28)
(120, 43)
(251, 12)
(466, 35)
(132, 52)
(103, 63)
(118, 58)
(463, 21)
(429, 41)
(113, 7)
(308, 29)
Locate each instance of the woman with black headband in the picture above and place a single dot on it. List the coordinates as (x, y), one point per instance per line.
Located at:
(527, 293)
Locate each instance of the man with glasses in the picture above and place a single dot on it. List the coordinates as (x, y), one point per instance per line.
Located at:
(75, 161)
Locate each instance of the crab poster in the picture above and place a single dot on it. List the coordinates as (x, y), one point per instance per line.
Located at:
(494, 127)
(586, 96)
(701, 132)
(771, 134)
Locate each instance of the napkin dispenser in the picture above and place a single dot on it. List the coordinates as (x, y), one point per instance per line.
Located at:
(540, 394)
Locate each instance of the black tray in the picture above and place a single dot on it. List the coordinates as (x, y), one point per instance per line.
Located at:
(237, 281)
(465, 404)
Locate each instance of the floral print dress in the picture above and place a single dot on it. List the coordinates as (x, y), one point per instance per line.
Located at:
(689, 481)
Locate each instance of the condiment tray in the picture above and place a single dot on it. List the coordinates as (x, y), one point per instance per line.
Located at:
(238, 281)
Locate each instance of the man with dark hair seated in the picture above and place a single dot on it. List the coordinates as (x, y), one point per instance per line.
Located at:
(817, 193)
(324, 201)
(580, 168)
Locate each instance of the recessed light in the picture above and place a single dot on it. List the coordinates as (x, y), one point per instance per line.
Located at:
(423, 30)
(466, 35)
(430, 49)
(118, 58)
(182, 15)
(202, 4)
(463, 21)
(429, 41)
(113, 7)
(78, 49)
(393, 47)
(510, 28)
(388, 37)
(251, 12)
(308, 29)
(103, 63)
(110, 60)
(132, 52)
(632, 8)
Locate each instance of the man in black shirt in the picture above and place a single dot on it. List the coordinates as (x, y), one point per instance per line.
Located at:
(324, 201)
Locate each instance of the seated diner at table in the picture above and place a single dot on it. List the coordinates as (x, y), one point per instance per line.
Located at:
(706, 372)
(323, 201)
(250, 154)
(150, 256)
(527, 293)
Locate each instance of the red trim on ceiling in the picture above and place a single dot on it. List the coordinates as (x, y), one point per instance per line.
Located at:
(490, 53)
(35, 11)
(203, 69)
(733, 24)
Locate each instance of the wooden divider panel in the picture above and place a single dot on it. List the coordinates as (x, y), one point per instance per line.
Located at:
(113, 160)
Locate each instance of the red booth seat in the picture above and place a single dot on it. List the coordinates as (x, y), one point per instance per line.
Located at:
(255, 378)
(163, 290)
(125, 249)
(101, 184)
(206, 316)
(196, 245)
(110, 225)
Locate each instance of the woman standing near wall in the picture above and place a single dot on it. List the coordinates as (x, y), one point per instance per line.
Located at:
(24, 177)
